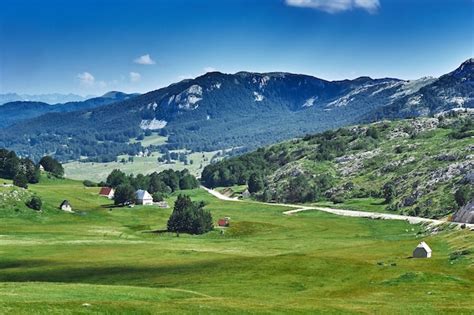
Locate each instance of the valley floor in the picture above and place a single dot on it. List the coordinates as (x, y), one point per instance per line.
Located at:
(108, 260)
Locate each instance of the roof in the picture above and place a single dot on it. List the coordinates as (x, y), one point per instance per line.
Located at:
(65, 203)
(105, 191)
(142, 195)
(425, 247)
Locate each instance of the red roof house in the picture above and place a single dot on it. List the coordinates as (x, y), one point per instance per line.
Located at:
(223, 222)
(107, 192)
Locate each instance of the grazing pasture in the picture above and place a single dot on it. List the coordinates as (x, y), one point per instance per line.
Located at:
(104, 259)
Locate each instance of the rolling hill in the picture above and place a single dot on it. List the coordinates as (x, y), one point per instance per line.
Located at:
(422, 167)
(243, 110)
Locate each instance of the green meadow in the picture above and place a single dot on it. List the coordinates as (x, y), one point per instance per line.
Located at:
(104, 259)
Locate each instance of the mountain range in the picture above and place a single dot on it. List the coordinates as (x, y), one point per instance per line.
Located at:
(242, 110)
(52, 98)
(13, 112)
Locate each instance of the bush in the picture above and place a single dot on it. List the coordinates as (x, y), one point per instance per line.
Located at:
(337, 199)
(189, 217)
(35, 203)
(158, 196)
(389, 192)
(89, 183)
(463, 195)
(20, 180)
(372, 132)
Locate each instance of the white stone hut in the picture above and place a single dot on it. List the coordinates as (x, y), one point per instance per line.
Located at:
(65, 206)
(422, 251)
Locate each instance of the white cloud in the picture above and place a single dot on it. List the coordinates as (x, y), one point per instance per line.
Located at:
(135, 76)
(86, 79)
(209, 69)
(186, 77)
(144, 60)
(335, 6)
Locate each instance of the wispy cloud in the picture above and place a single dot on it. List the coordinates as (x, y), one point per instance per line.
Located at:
(144, 60)
(186, 76)
(86, 79)
(135, 77)
(209, 69)
(336, 6)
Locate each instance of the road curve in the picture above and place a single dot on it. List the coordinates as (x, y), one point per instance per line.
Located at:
(342, 212)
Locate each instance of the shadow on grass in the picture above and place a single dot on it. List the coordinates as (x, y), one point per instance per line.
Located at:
(7, 264)
(149, 274)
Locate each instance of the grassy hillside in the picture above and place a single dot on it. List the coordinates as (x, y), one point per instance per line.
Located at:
(102, 260)
(422, 161)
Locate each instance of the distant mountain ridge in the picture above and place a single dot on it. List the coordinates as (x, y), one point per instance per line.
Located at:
(52, 98)
(243, 110)
(15, 112)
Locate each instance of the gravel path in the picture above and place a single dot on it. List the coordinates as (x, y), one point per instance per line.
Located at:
(347, 213)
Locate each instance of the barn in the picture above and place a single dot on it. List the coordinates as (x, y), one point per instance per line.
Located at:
(107, 192)
(422, 251)
(143, 197)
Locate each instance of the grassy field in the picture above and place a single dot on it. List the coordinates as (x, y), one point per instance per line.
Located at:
(143, 165)
(151, 140)
(106, 260)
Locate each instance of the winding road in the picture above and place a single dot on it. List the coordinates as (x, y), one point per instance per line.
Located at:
(342, 212)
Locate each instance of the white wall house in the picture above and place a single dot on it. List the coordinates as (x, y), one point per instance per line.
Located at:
(143, 197)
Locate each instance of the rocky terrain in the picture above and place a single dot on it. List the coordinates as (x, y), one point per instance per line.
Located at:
(421, 167)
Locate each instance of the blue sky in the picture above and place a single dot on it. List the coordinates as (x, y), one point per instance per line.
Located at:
(93, 46)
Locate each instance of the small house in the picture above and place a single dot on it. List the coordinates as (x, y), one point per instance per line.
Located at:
(65, 206)
(422, 251)
(223, 222)
(107, 192)
(143, 197)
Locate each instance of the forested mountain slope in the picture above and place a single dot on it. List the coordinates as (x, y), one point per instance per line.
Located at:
(220, 111)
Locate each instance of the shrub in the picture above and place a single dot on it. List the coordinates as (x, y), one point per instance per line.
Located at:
(89, 183)
(463, 195)
(389, 192)
(372, 132)
(158, 196)
(337, 199)
(20, 180)
(35, 203)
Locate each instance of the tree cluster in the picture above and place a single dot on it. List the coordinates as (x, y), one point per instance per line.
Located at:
(159, 185)
(189, 217)
(21, 170)
(52, 166)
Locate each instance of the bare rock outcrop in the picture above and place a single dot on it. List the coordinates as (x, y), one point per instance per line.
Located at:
(465, 214)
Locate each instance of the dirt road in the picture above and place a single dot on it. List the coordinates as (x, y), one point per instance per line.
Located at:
(347, 213)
